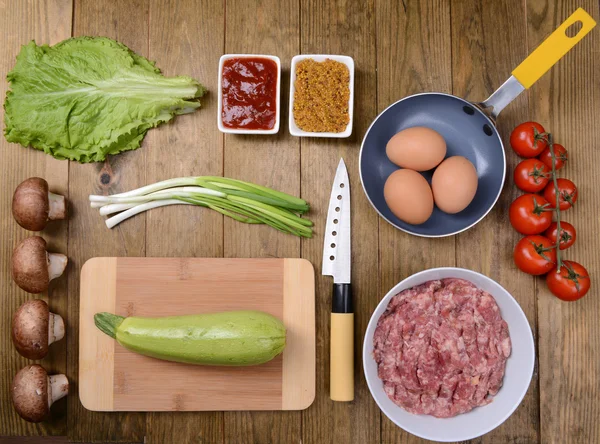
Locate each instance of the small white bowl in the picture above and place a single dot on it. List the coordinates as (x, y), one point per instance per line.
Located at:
(224, 129)
(480, 420)
(349, 62)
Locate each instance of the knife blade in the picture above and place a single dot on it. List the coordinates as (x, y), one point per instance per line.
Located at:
(336, 245)
(337, 263)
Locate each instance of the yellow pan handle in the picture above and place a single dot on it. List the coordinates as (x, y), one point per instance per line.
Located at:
(552, 49)
(341, 372)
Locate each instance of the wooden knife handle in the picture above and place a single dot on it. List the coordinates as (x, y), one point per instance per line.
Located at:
(342, 357)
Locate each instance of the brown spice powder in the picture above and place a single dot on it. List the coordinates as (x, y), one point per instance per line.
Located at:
(321, 96)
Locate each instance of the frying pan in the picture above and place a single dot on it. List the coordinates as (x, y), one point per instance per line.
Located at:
(469, 130)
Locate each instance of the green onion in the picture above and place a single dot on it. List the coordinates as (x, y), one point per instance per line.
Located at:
(242, 201)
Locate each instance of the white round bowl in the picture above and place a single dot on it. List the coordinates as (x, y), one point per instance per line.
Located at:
(480, 420)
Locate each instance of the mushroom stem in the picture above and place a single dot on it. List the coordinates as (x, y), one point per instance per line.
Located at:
(56, 265)
(56, 328)
(57, 206)
(58, 387)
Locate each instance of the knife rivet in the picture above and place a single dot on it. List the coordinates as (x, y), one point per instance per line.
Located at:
(339, 197)
(331, 258)
(335, 221)
(334, 233)
(332, 245)
(337, 209)
(342, 185)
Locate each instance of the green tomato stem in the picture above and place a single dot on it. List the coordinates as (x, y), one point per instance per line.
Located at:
(556, 189)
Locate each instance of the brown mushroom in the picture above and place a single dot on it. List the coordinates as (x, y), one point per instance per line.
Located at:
(33, 205)
(34, 328)
(33, 267)
(33, 392)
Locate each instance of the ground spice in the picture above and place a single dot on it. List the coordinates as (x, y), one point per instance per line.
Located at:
(322, 92)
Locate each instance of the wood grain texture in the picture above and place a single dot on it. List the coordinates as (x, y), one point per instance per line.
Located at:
(299, 356)
(88, 235)
(125, 381)
(263, 27)
(566, 101)
(34, 440)
(342, 27)
(416, 59)
(46, 22)
(399, 47)
(186, 37)
(488, 42)
(97, 294)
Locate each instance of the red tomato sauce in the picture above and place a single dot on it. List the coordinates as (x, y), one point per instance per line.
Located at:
(249, 89)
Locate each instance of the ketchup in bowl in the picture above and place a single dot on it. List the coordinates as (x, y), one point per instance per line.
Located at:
(249, 93)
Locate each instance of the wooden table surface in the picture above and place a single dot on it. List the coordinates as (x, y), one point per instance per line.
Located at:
(465, 47)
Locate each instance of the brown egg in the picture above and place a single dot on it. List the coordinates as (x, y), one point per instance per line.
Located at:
(417, 148)
(454, 184)
(409, 196)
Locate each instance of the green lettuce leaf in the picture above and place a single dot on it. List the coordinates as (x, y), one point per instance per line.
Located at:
(88, 97)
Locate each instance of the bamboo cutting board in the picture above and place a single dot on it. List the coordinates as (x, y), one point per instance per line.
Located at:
(112, 378)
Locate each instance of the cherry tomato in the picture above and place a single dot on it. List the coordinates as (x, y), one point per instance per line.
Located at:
(572, 282)
(530, 214)
(561, 156)
(567, 234)
(531, 175)
(567, 192)
(535, 255)
(528, 139)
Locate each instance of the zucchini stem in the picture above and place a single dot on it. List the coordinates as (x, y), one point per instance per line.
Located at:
(108, 323)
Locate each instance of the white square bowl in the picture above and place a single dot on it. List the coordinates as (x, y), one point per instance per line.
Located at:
(349, 62)
(224, 129)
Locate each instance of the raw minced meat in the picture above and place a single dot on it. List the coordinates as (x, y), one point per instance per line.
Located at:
(441, 348)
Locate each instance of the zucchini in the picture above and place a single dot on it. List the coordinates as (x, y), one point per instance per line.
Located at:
(234, 338)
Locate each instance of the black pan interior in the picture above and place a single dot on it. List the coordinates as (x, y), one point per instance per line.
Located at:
(467, 131)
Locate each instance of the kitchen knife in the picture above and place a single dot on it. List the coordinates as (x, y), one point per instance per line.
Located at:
(336, 263)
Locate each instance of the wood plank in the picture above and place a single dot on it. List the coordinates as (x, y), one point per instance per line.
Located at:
(566, 101)
(41, 440)
(298, 373)
(415, 57)
(347, 28)
(88, 236)
(48, 22)
(186, 37)
(265, 27)
(34, 440)
(488, 42)
(97, 357)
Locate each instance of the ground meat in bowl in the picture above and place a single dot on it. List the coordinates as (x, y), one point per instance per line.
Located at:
(441, 348)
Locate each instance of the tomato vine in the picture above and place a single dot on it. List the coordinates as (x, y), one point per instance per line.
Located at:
(555, 182)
